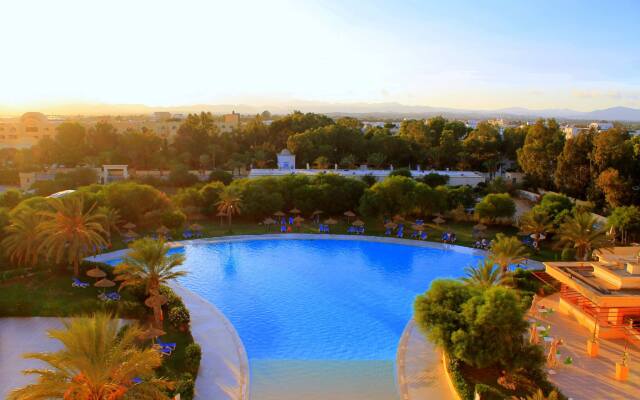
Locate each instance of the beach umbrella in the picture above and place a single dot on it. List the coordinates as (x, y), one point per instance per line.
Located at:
(398, 218)
(104, 283)
(349, 214)
(130, 234)
(294, 211)
(317, 212)
(390, 225)
(96, 273)
(163, 230)
(298, 219)
(196, 227)
(438, 220)
(330, 221)
(279, 214)
(269, 221)
(417, 227)
(151, 333)
(156, 302)
(129, 225)
(537, 236)
(358, 223)
(480, 227)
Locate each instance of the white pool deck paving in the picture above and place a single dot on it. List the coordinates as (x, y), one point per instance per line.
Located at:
(420, 373)
(19, 336)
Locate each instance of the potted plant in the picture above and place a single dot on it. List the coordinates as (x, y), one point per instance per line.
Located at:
(622, 368)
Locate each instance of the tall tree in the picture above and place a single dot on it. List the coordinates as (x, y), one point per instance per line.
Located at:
(70, 144)
(507, 250)
(195, 136)
(70, 232)
(482, 146)
(611, 149)
(230, 204)
(581, 232)
(21, 240)
(149, 263)
(616, 189)
(537, 223)
(538, 156)
(97, 362)
(486, 274)
(573, 172)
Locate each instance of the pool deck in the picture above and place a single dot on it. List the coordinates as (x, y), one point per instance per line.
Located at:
(419, 368)
(224, 369)
(588, 378)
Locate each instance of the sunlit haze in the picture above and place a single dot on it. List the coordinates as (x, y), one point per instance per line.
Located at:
(582, 55)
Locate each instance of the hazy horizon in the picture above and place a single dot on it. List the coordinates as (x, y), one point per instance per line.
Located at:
(578, 55)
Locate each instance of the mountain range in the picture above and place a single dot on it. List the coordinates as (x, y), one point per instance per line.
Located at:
(378, 110)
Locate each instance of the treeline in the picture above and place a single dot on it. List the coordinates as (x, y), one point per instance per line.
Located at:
(603, 167)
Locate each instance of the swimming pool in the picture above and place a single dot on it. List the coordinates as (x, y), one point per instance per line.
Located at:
(320, 319)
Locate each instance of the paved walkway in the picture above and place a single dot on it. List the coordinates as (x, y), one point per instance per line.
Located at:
(589, 378)
(224, 371)
(20, 335)
(419, 368)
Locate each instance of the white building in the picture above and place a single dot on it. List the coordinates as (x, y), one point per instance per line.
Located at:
(286, 161)
(572, 132)
(287, 166)
(601, 126)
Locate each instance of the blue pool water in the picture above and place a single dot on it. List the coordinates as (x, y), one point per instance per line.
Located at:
(318, 318)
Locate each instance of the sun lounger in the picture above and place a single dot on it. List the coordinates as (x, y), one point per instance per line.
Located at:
(78, 283)
(170, 345)
(387, 232)
(423, 235)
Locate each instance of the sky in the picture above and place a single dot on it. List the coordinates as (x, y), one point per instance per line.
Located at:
(577, 54)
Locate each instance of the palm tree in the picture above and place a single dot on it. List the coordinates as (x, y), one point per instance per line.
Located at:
(229, 204)
(98, 362)
(536, 223)
(486, 274)
(111, 221)
(148, 263)
(20, 242)
(507, 250)
(70, 232)
(580, 231)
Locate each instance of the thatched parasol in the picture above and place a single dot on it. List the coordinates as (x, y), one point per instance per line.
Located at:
(163, 230)
(96, 273)
(130, 234)
(349, 214)
(269, 221)
(156, 301)
(104, 283)
(480, 227)
(390, 225)
(129, 225)
(196, 227)
(358, 222)
(294, 211)
(398, 218)
(438, 220)
(151, 333)
(330, 221)
(279, 214)
(417, 227)
(316, 212)
(538, 236)
(298, 219)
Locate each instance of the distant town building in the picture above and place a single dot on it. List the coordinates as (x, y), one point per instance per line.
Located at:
(27, 130)
(472, 123)
(286, 160)
(572, 132)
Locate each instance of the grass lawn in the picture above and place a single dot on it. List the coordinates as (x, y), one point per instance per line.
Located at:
(374, 227)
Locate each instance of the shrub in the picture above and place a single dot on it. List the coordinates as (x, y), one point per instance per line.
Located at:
(434, 179)
(496, 205)
(568, 254)
(179, 317)
(185, 386)
(487, 392)
(401, 172)
(457, 378)
(173, 219)
(220, 175)
(173, 300)
(181, 177)
(192, 355)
